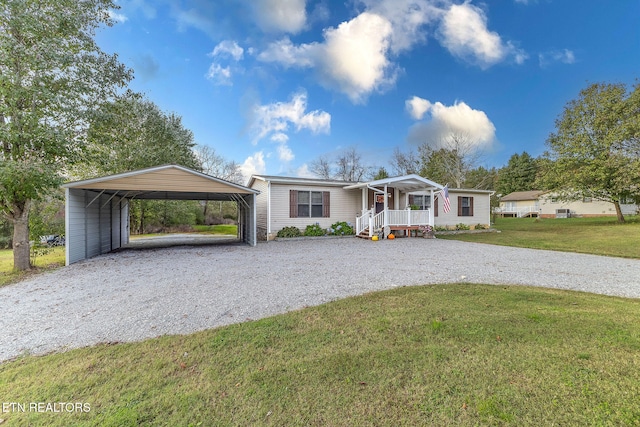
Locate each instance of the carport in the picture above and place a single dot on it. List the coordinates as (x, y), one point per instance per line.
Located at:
(97, 210)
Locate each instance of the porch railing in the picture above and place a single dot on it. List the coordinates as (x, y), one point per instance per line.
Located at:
(362, 222)
(405, 217)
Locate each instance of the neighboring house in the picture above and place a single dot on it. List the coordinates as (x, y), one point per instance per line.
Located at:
(546, 204)
(520, 204)
(287, 201)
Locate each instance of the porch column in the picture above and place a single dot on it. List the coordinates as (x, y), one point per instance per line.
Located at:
(365, 193)
(431, 208)
(396, 199)
(386, 207)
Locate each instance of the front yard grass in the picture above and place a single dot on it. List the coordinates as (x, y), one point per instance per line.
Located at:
(457, 354)
(600, 236)
(53, 259)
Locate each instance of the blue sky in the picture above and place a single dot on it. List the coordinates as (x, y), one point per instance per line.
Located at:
(274, 84)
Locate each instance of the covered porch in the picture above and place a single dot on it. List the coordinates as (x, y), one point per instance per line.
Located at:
(387, 205)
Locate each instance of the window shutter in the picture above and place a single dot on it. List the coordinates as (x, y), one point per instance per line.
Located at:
(435, 206)
(326, 210)
(470, 206)
(293, 203)
(411, 200)
(459, 205)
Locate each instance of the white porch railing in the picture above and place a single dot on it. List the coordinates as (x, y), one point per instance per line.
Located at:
(519, 212)
(362, 222)
(404, 218)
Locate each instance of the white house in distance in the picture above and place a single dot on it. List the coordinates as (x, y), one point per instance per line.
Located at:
(545, 204)
(397, 204)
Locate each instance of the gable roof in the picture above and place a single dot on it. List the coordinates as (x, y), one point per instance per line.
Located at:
(406, 183)
(165, 182)
(522, 195)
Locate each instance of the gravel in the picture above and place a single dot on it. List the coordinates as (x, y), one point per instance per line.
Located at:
(137, 294)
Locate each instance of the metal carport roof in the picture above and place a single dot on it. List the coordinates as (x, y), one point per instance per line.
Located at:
(97, 219)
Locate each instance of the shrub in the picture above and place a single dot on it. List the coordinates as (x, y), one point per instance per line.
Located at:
(461, 226)
(341, 228)
(289, 232)
(314, 230)
(440, 228)
(480, 227)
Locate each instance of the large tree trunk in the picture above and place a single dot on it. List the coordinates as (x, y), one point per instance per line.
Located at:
(618, 211)
(20, 220)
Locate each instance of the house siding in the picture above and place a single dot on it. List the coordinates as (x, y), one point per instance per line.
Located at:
(580, 208)
(345, 206)
(481, 210)
(262, 206)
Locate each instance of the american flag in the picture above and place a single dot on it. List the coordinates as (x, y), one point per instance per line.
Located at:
(446, 205)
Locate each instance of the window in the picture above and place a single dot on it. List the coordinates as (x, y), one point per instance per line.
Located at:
(423, 202)
(308, 204)
(465, 206)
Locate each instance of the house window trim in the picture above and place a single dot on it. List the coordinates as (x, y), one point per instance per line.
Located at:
(461, 209)
(294, 204)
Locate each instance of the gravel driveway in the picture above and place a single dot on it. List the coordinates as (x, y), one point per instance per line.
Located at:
(133, 295)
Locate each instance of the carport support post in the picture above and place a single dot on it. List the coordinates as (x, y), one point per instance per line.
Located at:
(67, 234)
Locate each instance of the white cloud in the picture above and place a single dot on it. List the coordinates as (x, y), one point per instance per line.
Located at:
(408, 19)
(284, 153)
(286, 53)
(253, 165)
(304, 172)
(274, 120)
(564, 56)
(352, 59)
(289, 16)
(463, 31)
(118, 17)
(457, 118)
(355, 56)
(228, 48)
(219, 75)
(417, 107)
(200, 16)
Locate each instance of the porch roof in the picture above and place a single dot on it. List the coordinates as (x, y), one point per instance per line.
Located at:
(406, 183)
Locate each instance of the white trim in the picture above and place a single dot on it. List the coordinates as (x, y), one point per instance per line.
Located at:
(80, 184)
(396, 179)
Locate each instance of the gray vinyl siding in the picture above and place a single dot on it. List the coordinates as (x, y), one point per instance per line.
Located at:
(74, 227)
(262, 204)
(481, 210)
(94, 224)
(246, 217)
(345, 205)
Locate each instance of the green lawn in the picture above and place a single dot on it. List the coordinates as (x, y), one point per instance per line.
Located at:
(53, 259)
(225, 229)
(440, 355)
(600, 236)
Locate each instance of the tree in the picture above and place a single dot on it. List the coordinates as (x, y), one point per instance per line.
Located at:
(52, 74)
(447, 160)
(481, 178)
(594, 151)
(519, 174)
(381, 174)
(213, 164)
(321, 167)
(133, 133)
(347, 167)
(405, 163)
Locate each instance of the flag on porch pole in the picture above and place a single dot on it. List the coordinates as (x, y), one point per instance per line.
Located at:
(446, 205)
